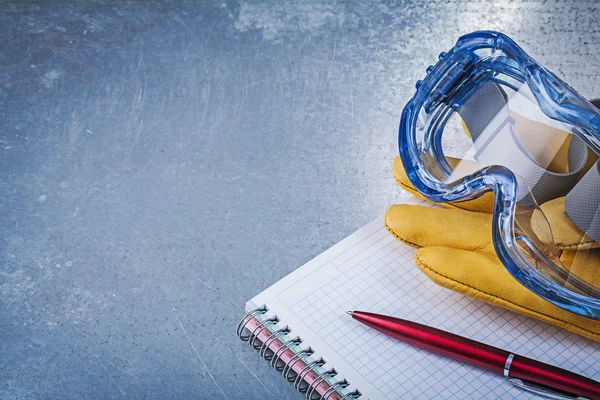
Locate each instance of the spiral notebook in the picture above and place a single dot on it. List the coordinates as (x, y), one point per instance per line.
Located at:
(301, 327)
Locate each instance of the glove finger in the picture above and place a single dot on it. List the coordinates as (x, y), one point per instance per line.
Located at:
(420, 226)
(484, 203)
(564, 232)
(479, 276)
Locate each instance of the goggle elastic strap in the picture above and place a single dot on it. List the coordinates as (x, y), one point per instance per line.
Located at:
(582, 201)
(582, 204)
(488, 106)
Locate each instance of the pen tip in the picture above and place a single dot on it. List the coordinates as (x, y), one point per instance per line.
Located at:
(349, 312)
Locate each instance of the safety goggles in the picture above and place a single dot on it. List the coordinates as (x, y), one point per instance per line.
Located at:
(488, 118)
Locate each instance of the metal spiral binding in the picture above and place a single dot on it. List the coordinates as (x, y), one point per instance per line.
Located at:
(287, 368)
(318, 380)
(257, 331)
(274, 336)
(281, 350)
(352, 396)
(246, 319)
(333, 388)
(290, 365)
(311, 367)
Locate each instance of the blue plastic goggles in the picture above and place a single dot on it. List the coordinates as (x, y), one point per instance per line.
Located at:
(489, 118)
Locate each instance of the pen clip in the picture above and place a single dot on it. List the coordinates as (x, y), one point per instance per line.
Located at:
(545, 391)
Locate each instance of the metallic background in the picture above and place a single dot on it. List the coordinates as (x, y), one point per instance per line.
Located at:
(163, 162)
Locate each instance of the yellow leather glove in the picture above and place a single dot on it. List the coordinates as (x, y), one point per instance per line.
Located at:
(455, 250)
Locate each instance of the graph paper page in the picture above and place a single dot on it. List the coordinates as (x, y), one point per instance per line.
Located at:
(372, 271)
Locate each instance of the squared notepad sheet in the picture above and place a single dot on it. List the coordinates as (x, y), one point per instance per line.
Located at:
(372, 271)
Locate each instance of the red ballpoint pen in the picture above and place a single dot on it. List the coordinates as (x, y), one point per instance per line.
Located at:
(535, 376)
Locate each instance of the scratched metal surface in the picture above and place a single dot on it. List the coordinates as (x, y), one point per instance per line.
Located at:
(162, 164)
